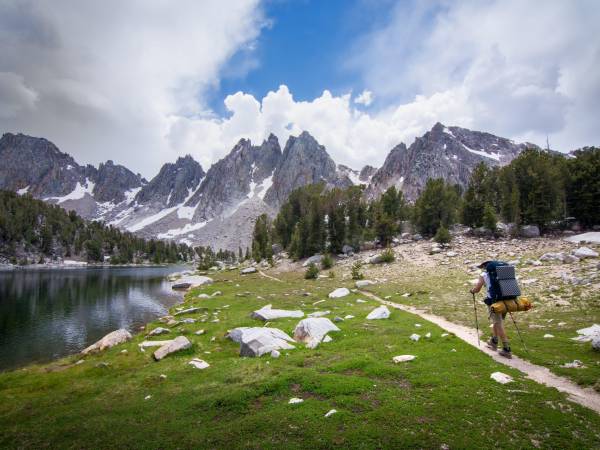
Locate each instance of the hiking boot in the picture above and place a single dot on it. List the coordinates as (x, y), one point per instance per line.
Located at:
(506, 353)
(492, 344)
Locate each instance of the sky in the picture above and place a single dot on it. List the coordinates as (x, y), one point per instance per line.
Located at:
(142, 82)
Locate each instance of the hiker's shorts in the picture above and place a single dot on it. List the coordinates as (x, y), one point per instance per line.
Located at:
(496, 318)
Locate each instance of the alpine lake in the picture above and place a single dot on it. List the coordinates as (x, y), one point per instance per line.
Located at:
(50, 313)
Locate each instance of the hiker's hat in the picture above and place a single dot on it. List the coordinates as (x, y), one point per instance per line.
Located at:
(483, 264)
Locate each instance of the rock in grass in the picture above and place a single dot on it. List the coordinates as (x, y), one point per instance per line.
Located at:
(198, 363)
(330, 413)
(319, 313)
(312, 330)
(295, 400)
(257, 341)
(176, 345)
(596, 343)
(548, 336)
(576, 364)
(189, 311)
(381, 312)
(191, 282)
(585, 252)
(501, 378)
(159, 330)
(339, 292)
(315, 259)
(108, 341)
(415, 337)
(146, 344)
(403, 358)
(267, 313)
(363, 283)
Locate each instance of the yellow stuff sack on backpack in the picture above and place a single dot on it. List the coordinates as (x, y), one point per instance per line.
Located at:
(503, 306)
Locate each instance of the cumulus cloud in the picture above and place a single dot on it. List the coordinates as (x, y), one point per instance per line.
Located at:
(365, 98)
(108, 79)
(511, 67)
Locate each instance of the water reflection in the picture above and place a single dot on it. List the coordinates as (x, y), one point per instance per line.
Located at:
(45, 314)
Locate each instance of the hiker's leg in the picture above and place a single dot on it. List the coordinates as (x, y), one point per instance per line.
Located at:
(501, 333)
(493, 342)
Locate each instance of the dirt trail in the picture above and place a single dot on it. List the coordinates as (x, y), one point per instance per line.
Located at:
(587, 397)
(269, 276)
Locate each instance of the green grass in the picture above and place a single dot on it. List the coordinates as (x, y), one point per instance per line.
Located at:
(442, 397)
(445, 293)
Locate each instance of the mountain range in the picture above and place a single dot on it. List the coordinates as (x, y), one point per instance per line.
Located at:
(218, 207)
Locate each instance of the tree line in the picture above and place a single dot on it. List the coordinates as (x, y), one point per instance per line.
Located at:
(30, 227)
(538, 187)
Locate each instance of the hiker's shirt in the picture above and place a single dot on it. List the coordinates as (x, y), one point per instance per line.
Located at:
(486, 280)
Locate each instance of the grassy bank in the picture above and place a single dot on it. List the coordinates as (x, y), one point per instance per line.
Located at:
(445, 396)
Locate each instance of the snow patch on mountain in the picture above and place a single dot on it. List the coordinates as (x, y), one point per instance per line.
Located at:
(77, 193)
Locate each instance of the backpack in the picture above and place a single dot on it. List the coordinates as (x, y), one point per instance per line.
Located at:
(503, 283)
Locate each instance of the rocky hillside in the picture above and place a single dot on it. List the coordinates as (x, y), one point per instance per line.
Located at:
(219, 207)
(444, 152)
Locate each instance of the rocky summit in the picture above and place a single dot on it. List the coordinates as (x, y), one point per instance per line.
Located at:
(219, 207)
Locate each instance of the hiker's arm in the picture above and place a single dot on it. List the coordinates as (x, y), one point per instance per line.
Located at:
(477, 286)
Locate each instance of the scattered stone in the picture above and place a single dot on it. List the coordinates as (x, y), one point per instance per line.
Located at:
(108, 341)
(275, 354)
(177, 344)
(588, 334)
(312, 330)
(363, 283)
(295, 400)
(451, 254)
(585, 252)
(445, 334)
(162, 376)
(199, 332)
(187, 320)
(189, 311)
(203, 296)
(403, 358)
(349, 316)
(360, 300)
(248, 270)
(124, 351)
(147, 397)
(576, 364)
(530, 231)
(330, 413)
(199, 363)
(216, 294)
(191, 282)
(338, 319)
(257, 341)
(501, 378)
(318, 314)
(339, 292)
(377, 259)
(315, 259)
(415, 337)
(428, 335)
(381, 312)
(548, 336)
(267, 313)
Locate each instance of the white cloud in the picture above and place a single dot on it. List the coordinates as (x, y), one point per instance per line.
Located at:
(365, 98)
(509, 67)
(107, 80)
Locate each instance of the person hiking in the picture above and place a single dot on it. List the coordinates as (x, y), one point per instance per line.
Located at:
(497, 319)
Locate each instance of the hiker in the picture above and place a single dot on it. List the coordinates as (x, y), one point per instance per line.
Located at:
(497, 319)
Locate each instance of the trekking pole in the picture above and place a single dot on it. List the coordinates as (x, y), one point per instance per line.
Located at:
(519, 332)
(476, 321)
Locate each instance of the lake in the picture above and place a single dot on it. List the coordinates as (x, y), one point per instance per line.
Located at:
(49, 313)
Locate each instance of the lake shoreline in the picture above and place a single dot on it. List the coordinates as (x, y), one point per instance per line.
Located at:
(83, 265)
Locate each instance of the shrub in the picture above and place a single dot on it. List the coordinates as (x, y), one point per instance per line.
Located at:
(356, 273)
(326, 262)
(312, 272)
(388, 256)
(331, 274)
(442, 235)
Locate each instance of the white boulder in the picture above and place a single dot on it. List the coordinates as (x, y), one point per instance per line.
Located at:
(256, 341)
(315, 259)
(267, 313)
(313, 330)
(159, 330)
(501, 378)
(191, 282)
(363, 283)
(199, 363)
(110, 340)
(381, 312)
(177, 344)
(248, 270)
(403, 358)
(339, 292)
(585, 252)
